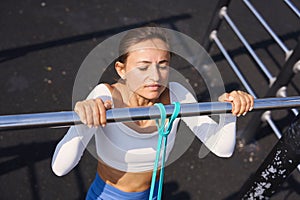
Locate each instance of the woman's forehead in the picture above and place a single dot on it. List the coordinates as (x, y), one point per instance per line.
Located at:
(148, 54)
(149, 44)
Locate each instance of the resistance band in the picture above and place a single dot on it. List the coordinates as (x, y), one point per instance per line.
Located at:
(162, 138)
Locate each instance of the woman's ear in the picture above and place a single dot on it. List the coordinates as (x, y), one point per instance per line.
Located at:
(120, 68)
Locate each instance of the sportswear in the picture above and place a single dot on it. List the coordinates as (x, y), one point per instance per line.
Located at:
(127, 150)
(99, 190)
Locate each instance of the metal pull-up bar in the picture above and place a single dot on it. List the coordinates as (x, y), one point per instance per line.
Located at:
(68, 118)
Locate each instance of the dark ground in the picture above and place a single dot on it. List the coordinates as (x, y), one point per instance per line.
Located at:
(43, 45)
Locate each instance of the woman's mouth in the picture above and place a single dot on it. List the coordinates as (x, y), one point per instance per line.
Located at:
(153, 86)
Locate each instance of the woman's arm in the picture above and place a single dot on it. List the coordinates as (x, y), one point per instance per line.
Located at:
(218, 137)
(69, 150)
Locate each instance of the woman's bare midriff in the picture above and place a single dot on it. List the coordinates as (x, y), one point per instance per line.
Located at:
(125, 181)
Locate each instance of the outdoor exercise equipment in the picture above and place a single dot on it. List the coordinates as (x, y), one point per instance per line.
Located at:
(68, 118)
(285, 156)
(277, 83)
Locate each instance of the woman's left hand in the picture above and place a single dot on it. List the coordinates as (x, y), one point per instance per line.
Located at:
(241, 102)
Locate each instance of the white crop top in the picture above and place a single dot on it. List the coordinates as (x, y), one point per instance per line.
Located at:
(127, 150)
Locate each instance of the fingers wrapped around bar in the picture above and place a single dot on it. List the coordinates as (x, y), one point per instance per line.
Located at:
(92, 112)
(241, 102)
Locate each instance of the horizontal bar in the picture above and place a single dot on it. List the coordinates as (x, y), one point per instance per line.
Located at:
(224, 14)
(67, 118)
(268, 28)
(293, 7)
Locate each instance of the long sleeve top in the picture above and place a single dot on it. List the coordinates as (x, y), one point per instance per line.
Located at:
(127, 150)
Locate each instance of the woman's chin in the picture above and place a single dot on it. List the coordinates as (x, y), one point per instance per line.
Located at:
(152, 95)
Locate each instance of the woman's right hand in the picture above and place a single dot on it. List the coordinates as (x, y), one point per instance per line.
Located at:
(92, 112)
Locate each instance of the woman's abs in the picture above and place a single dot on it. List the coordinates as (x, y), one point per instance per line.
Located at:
(125, 181)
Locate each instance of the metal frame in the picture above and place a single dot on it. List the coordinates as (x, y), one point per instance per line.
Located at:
(223, 14)
(243, 80)
(293, 7)
(285, 76)
(277, 85)
(290, 68)
(268, 28)
(68, 118)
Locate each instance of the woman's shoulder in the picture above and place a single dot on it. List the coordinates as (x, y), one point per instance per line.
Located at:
(102, 89)
(108, 86)
(179, 92)
(177, 87)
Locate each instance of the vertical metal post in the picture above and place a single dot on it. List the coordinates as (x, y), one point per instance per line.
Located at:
(284, 77)
(279, 164)
(214, 24)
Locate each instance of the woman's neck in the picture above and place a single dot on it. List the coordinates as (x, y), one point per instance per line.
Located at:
(127, 98)
(131, 99)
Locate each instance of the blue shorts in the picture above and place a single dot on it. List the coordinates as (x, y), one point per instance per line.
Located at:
(99, 190)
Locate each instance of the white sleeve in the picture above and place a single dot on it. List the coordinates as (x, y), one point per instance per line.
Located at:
(218, 137)
(69, 150)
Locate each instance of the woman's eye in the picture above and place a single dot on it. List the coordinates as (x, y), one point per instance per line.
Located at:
(162, 66)
(143, 68)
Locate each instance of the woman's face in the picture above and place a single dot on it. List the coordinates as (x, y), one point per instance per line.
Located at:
(147, 68)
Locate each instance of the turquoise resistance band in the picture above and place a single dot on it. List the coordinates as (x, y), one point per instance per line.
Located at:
(163, 134)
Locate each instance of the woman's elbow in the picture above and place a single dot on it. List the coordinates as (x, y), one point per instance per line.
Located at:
(223, 152)
(224, 148)
(58, 170)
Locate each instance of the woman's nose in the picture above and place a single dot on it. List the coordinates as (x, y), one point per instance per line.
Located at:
(154, 73)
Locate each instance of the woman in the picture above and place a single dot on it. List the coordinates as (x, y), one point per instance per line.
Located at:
(127, 151)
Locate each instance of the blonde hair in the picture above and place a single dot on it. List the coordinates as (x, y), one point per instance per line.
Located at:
(138, 35)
